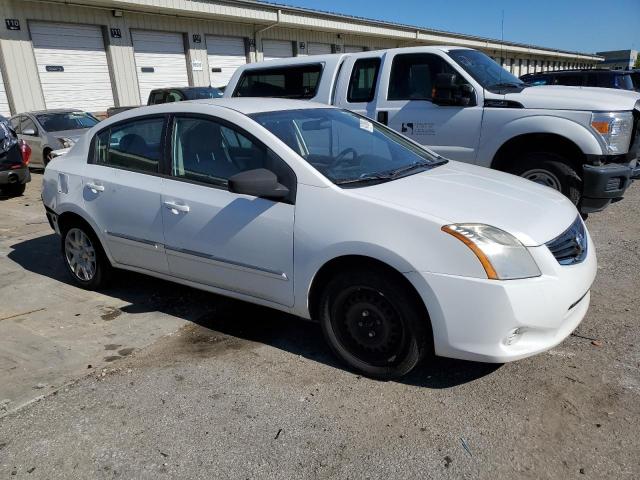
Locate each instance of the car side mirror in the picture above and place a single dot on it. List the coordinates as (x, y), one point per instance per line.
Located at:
(259, 182)
(447, 91)
(29, 131)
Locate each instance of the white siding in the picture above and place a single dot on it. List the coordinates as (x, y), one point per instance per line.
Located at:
(319, 48)
(160, 61)
(227, 54)
(276, 49)
(4, 101)
(78, 50)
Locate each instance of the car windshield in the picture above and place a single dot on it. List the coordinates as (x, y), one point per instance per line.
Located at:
(57, 122)
(204, 92)
(348, 149)
(485, 71)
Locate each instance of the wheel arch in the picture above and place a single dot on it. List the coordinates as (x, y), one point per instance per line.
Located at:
(342, 263)
(69, 217)
(538, 142)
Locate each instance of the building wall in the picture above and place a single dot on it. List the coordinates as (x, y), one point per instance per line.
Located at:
(21, 74)
(619, 59)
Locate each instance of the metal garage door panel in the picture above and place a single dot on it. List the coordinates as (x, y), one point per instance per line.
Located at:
(319, 48)
(276, 49)
(160, 61)
(226, 54)
(353, 49)
(4, 101)
(72, 66)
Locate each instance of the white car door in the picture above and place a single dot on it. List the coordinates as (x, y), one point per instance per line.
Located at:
(404, 100)
(122, 191)
(215, 237)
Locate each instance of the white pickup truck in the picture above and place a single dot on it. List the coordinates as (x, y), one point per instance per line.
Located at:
(461, 104)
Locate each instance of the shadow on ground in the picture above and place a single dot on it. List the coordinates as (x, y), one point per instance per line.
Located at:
(230, 317)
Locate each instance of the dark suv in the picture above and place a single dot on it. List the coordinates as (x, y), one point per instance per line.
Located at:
(14, 161)
(178, 94)
(620, 79)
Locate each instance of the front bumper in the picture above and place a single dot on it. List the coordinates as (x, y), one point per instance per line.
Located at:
(605, 183)
(16, 175)
(501, 321)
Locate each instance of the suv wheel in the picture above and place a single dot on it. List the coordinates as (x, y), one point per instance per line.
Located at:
(83, 256)
(373, 324)
(551, 170)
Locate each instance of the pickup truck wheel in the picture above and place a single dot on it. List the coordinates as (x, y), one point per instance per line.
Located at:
(373, 324)
(551, 170)
(84, 258)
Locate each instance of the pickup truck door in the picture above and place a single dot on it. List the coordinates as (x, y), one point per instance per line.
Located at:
(404, 102)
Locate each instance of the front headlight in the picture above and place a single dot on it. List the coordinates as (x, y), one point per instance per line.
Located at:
(502, 255)
(66, 142)
(614, 129)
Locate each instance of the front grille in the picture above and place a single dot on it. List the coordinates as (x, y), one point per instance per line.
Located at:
(570, 247)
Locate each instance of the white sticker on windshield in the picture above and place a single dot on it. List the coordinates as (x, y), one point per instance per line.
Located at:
(365, 125)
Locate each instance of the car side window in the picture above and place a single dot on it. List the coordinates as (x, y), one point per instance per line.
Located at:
(413, 76)
(15, 124)
(362, 86)
(173, 96)
(26, 123)
(207, 151)
(135, 145)
(157, 97)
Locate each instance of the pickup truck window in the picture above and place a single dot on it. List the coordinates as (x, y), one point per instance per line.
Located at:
(413, 75)
(485, 71)
(299, 82)
(362, 86)
(346, 148)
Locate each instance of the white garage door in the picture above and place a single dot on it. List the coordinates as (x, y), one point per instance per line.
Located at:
(276, 49)
(72, 65)
(319, 48)
(226, 54)
(4, 101)
(160, 61)
(353, 49)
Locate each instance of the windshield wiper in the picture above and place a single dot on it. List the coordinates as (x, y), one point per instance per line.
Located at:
(390, 175)
(365, 178)
(508, 84)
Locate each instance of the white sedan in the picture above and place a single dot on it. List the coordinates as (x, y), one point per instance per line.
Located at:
(327, 215)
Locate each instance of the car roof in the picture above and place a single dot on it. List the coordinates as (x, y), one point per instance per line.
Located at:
(250, 105)
(51, 110)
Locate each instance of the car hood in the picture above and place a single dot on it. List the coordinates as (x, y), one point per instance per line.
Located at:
(71, 134)
(462, 193)
(557, 97)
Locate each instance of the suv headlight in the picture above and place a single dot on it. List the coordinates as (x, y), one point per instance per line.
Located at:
(66, 142)
(502, 255)
(614, 129)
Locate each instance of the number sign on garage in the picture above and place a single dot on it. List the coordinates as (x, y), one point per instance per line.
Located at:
(225, 55)
(276, 49)
(160, 61)
(72, 66)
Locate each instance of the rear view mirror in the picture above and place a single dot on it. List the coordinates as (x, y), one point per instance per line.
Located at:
(448, 91)
(259, 182)
(29, 131)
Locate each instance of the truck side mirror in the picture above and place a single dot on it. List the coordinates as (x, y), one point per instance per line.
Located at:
(448, 92)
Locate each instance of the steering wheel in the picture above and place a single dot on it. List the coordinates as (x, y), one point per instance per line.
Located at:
(343, 154)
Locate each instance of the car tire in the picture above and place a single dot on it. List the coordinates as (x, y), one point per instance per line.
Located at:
(15, 189)
(373, 324)
(84, 257)
(551, 170)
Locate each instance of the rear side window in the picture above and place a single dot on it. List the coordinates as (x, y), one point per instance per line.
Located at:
(413, 76)
(156, 97)
(299, 82)
(134, 145)
(362, 86)
(572, 80)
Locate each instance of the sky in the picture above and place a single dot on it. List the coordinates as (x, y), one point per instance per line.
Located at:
(577, 25)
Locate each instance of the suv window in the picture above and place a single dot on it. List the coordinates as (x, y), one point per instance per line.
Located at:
(210, 152)
(174, 96)
(413, 76)
(135, 145)
(572, 80)
(282, 82)
(156, 97)
(362, 86)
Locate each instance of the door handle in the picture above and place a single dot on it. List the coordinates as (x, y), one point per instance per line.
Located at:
(95, 188)
(176, 207)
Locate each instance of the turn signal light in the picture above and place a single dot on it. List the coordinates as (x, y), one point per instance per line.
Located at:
(601, 127)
